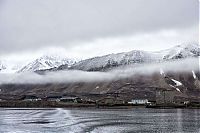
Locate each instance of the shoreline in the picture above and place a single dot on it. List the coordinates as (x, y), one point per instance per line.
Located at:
(54, 104)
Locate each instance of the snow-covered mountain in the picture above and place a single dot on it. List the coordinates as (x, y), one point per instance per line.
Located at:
(2, 66)
(47, 62)
(182, 51)
(7, 67)
(137, 56)
(114, 60)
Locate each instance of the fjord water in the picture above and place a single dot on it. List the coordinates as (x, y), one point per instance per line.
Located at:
(99, 120)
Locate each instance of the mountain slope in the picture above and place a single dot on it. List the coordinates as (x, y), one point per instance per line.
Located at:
(140, 86)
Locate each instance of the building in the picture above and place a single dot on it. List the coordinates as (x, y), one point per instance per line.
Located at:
(138, 101)
(71, 99)
(31, 98)
(53, 98)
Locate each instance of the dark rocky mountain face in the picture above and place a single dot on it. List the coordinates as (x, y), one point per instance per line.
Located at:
(138, 86)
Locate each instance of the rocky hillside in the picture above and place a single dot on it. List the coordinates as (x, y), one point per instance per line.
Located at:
(141, 86)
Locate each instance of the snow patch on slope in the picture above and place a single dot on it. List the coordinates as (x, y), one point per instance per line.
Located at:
(175, 88)
(177, 82)
(194, 75)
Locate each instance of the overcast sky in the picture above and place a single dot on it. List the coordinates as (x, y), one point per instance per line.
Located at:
(87, 28)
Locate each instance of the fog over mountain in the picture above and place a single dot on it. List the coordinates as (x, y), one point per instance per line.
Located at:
(188, 65)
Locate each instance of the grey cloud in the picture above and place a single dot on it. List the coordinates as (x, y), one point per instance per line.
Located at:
(31, 24)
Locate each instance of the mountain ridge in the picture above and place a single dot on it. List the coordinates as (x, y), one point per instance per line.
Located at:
(102, 63)
(106, 62)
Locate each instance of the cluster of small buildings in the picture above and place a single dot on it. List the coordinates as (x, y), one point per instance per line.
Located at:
(167, 98)
(139, 101)
(107, 100)
(69, 99)
(163, 97)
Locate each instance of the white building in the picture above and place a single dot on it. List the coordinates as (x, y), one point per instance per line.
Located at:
(138, 101)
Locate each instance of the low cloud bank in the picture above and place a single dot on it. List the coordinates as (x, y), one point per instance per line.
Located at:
(186, 65)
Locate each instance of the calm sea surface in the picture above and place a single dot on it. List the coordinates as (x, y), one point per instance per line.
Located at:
(138, 120)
